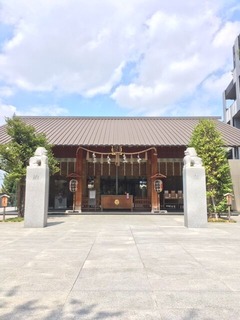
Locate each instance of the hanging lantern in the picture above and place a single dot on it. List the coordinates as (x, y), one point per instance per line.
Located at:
(142, 184)
(90, 183)
(158, 185)
(73, 183)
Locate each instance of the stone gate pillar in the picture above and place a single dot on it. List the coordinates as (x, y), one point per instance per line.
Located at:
(194, 191)
(37, 190)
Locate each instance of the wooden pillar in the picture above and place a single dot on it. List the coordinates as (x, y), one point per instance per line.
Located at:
(79, 171)
(154, 169)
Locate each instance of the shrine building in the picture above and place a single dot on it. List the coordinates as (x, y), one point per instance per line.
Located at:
(120, 163)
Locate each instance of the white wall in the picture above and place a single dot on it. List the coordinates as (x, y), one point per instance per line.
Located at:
(235, 174)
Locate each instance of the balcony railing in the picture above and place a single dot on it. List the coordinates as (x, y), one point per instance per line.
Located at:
(231, 111)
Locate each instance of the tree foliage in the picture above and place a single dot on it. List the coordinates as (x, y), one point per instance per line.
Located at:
(209, 145)
(15, 155)
(9, 187)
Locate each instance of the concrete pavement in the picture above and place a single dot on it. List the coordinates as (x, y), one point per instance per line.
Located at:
(146, 267)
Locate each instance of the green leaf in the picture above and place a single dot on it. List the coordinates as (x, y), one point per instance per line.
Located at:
(207, 141)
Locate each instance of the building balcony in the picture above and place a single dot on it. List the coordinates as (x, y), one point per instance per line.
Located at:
(230, 92)
(231, 112)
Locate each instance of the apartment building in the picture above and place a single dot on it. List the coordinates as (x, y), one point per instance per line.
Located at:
(231, 96)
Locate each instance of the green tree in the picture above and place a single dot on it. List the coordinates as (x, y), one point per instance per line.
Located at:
(209, 145)
(10, 187)
(15, 155)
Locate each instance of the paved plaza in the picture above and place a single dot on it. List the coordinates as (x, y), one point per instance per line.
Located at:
(147, 267)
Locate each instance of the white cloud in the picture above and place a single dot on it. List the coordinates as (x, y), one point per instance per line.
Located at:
(106, 88)
(6, 111)
(226, 35)
(80, 46)
(6, 91)
(51, 110)
(215, 84)
(181, 67)
(142, 98)
(72, 46)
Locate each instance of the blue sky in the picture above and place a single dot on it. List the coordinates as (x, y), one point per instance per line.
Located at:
(115, 58)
